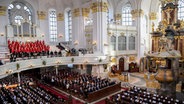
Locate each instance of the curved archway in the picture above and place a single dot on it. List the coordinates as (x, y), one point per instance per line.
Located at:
(27, 7)
(123, 3)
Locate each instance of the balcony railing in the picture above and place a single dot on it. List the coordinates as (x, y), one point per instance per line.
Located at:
(14, 67)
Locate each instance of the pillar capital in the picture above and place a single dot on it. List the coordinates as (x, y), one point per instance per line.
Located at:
(76, 12)
(2, 10)
(153, 16)
(60, 17)
(41, 15)
(99, 6)
(85, 12)
(137, 13)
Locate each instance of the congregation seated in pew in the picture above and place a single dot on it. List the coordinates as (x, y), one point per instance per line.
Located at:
(24, 93)
(74, 82)
(138, 95)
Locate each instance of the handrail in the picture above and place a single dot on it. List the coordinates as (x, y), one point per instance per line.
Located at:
(14, 67)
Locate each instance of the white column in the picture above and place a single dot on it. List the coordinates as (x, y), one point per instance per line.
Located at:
(18, 74)
(127, 42)
(99, 29)
(140, 34)
(56, 70)
(78, 35)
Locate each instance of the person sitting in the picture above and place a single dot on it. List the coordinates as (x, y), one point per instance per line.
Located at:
(51, 53)
(55, 53)
(59, 53)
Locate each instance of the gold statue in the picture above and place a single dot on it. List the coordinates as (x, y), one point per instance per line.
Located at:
(153, 25)
(163, 31)
(181, 24)
(165, 23)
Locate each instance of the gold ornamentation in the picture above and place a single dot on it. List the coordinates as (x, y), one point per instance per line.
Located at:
(104, 6)
(41, 15)
(118, 17)
(137, 13)
(165, 23)
(153, 25)
(167, 1)
(181, 24)
(2, 10)
(94, 7)
(85, 12)
(153, 16)
(132, 58)
(99, 7)
(60, 17)
(76, 12)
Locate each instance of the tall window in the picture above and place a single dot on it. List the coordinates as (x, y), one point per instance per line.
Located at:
(68, 26)
(121, 43)
(53, 25)
(113, 42)
(131, 43)
(181, 9)
(108, 16)
(126, 15)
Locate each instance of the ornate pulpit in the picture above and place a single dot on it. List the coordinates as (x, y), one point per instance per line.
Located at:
(167, 48)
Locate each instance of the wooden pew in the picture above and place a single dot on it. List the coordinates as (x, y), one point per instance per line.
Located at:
(104, 92)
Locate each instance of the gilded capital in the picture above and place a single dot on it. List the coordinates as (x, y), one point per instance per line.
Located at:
(137, 13)
(41, 15)
(118, 17)
(85, 12)
(99, 7)
(76, 12)
(153, 16)
(2, 10)
(104, 6)
(60, 17)
(167, 1)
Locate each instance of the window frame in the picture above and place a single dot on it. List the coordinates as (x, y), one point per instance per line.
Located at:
(127, 16)
(52, 25)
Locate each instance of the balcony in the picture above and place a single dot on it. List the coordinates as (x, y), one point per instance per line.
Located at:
(18, 66)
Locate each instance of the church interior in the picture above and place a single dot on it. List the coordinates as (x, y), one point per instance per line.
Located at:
(92, 51)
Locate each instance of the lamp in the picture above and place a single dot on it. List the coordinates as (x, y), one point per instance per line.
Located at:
(94, 43)
(60, 35)
(43, 35)
(76, 42)
(1, 34)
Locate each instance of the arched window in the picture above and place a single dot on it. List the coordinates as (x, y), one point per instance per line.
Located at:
(132, 43)
(18, 11)
(181, 9)
(21, 18)
(113, 42)
(122, 43)
(53, 25)
(68, 25)
(126, 15)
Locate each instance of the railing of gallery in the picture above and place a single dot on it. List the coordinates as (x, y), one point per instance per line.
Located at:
(14, 67)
